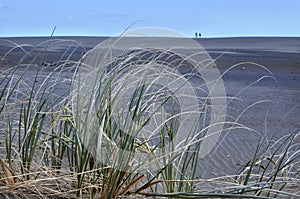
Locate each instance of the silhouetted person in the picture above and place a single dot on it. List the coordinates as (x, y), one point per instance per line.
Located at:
(199, 34)
(196, 34)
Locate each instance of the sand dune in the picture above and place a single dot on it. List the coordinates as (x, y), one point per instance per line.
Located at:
(275, 116)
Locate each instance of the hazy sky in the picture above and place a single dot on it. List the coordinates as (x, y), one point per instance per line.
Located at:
(213, 18)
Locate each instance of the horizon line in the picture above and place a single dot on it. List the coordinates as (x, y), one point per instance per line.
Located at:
(106, 36)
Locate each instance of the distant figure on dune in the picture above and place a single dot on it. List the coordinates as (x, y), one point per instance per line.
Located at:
(196, 34)
(199, 34)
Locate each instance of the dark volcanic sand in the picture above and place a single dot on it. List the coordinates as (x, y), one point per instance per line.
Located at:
(277, 115)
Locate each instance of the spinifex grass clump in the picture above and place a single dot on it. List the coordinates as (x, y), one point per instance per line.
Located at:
(137, 111)
(112, 126)
(36, 132)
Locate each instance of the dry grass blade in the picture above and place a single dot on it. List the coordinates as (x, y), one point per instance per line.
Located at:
(114, 186)
(147, 185)
(132, 184)
(122, 176)
(8, 174)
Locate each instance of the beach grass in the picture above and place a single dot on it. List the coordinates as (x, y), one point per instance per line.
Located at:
(58, 143)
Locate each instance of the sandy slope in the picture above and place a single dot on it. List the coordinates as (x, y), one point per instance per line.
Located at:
(276, 102)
